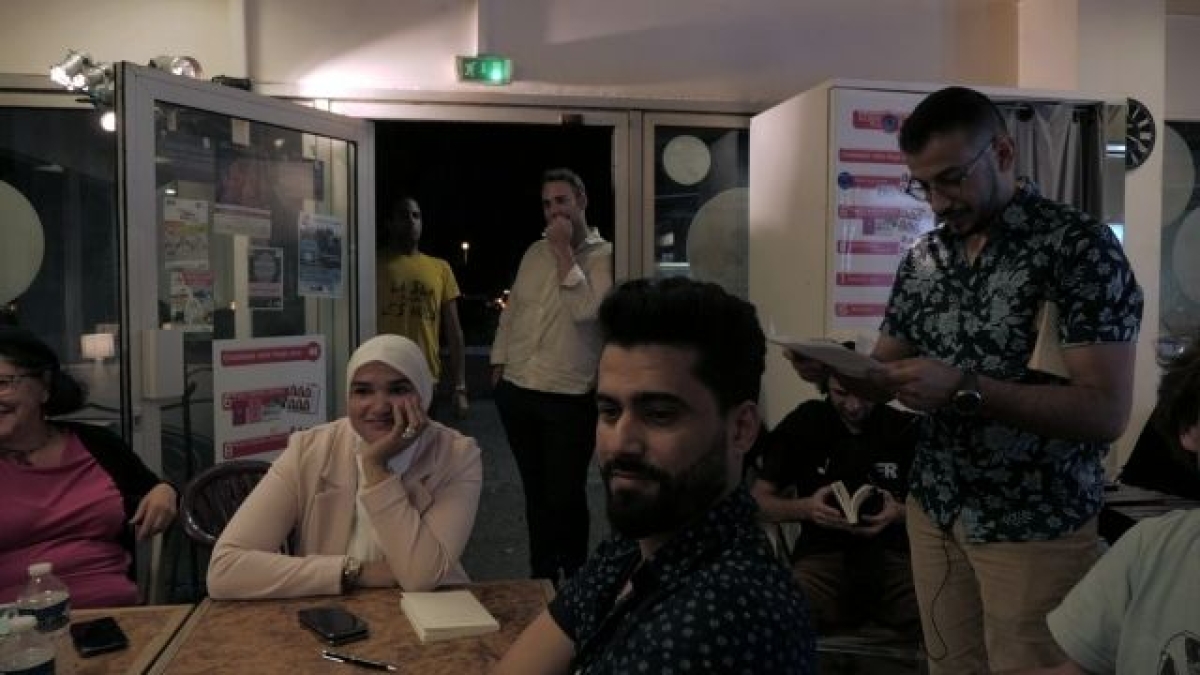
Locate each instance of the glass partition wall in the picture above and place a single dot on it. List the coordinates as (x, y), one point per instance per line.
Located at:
(241, 226)
(209, 214)
(60, 264)
(695, 212)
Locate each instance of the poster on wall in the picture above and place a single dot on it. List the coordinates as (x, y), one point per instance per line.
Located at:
(266, 388)
(320, 248)
(875, 221)
(265, 265)
(185, 231)
(191, 295)
(242, 194)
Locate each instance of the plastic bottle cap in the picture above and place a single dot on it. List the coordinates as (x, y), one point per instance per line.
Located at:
(38, 569)
(22, 623)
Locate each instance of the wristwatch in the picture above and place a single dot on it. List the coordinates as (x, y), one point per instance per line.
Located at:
(967, 400)
(351, 569)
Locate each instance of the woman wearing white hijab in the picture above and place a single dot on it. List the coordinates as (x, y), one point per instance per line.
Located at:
(382, 497)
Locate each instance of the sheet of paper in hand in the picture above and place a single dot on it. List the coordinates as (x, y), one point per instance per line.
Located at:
(833, 354)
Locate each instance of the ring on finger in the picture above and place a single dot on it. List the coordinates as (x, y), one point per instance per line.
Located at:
(408, 432)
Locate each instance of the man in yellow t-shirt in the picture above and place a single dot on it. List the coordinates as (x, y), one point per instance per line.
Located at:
(416, 295)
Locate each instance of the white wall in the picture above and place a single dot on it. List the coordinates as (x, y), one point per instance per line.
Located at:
(34, 34)
(333, 47)
(1183, 56)
(1122, 47)
(727, 50)
(1048, 43)
(1114, 46)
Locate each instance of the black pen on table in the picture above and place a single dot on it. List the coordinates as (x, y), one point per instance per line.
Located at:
(357, 661)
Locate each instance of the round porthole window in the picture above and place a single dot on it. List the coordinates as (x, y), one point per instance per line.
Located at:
(686, 160)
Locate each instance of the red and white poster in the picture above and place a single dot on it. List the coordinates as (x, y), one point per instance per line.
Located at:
(263, 390)
(875, 221)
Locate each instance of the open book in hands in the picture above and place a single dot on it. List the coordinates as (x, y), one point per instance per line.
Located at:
(867, 500)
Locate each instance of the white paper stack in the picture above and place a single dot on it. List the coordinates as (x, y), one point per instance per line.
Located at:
(445, 615)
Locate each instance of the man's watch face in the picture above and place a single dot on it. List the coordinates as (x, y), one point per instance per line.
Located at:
(967, 401)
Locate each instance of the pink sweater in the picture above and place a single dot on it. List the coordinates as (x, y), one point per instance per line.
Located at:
(70, 515)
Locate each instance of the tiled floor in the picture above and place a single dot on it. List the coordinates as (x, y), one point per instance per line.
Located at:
(499, 545)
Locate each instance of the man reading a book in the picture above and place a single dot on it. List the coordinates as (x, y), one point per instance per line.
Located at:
(850, 571)
(688, 579)
(1008, 475)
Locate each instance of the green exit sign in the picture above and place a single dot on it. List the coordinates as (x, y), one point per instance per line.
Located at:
(485, 68)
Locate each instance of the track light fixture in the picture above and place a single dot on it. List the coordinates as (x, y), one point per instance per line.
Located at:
(179, 65)
(69, 71)
(77, 72)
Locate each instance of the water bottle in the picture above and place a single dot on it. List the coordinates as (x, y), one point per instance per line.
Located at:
(26, 651)
(8, 611)
(46, 599)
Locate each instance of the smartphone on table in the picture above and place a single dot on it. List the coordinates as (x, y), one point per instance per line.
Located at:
(334, 625)
(98, 636)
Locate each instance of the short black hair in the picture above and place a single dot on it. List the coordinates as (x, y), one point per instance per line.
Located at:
(1178, 407)
(949, 110)
(564, 175)
(26, 351)
(679, 312)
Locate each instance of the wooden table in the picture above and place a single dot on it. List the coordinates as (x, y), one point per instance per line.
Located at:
(264, 636)
(1128, 504)
(149, 629)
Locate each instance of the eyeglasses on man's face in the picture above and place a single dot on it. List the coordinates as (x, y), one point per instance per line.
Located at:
(947, 182)
(9, 383)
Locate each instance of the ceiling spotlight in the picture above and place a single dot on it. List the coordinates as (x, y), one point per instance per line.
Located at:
(103, 94)
(69, 72)
(97, 75)
(178, 65)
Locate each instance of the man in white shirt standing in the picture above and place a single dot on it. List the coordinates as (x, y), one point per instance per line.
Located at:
(544, 368)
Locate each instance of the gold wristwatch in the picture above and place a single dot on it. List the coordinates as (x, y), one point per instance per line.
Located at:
(351, 570)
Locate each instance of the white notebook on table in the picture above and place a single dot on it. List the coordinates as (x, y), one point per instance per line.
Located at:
(446, 615)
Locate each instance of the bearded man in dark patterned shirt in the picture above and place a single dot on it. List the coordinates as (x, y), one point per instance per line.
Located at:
(688, 584)
(1008, 476)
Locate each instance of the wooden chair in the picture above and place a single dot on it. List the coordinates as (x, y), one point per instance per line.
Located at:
(212, 497)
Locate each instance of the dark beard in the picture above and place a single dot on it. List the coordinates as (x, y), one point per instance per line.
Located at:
(679, 499)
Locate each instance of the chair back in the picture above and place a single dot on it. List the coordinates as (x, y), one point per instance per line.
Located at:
(212, 497)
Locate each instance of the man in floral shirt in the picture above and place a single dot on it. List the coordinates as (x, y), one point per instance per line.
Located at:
(1008, 476)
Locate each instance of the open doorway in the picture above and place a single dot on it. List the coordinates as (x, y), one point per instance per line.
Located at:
(479, 183)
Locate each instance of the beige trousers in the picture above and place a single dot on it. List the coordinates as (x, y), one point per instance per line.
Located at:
(983, 606)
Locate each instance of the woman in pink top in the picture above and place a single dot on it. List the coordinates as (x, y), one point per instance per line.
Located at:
(74, 494)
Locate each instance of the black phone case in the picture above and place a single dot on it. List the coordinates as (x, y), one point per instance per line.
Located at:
(98, 636)
(334, 625)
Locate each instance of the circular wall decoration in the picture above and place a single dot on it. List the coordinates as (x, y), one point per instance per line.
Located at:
(686, 160)
(717, 241)
(21, 243)
(1139, 133)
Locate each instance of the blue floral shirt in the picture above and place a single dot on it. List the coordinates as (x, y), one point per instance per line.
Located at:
(1005, 483)
(712, 600)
